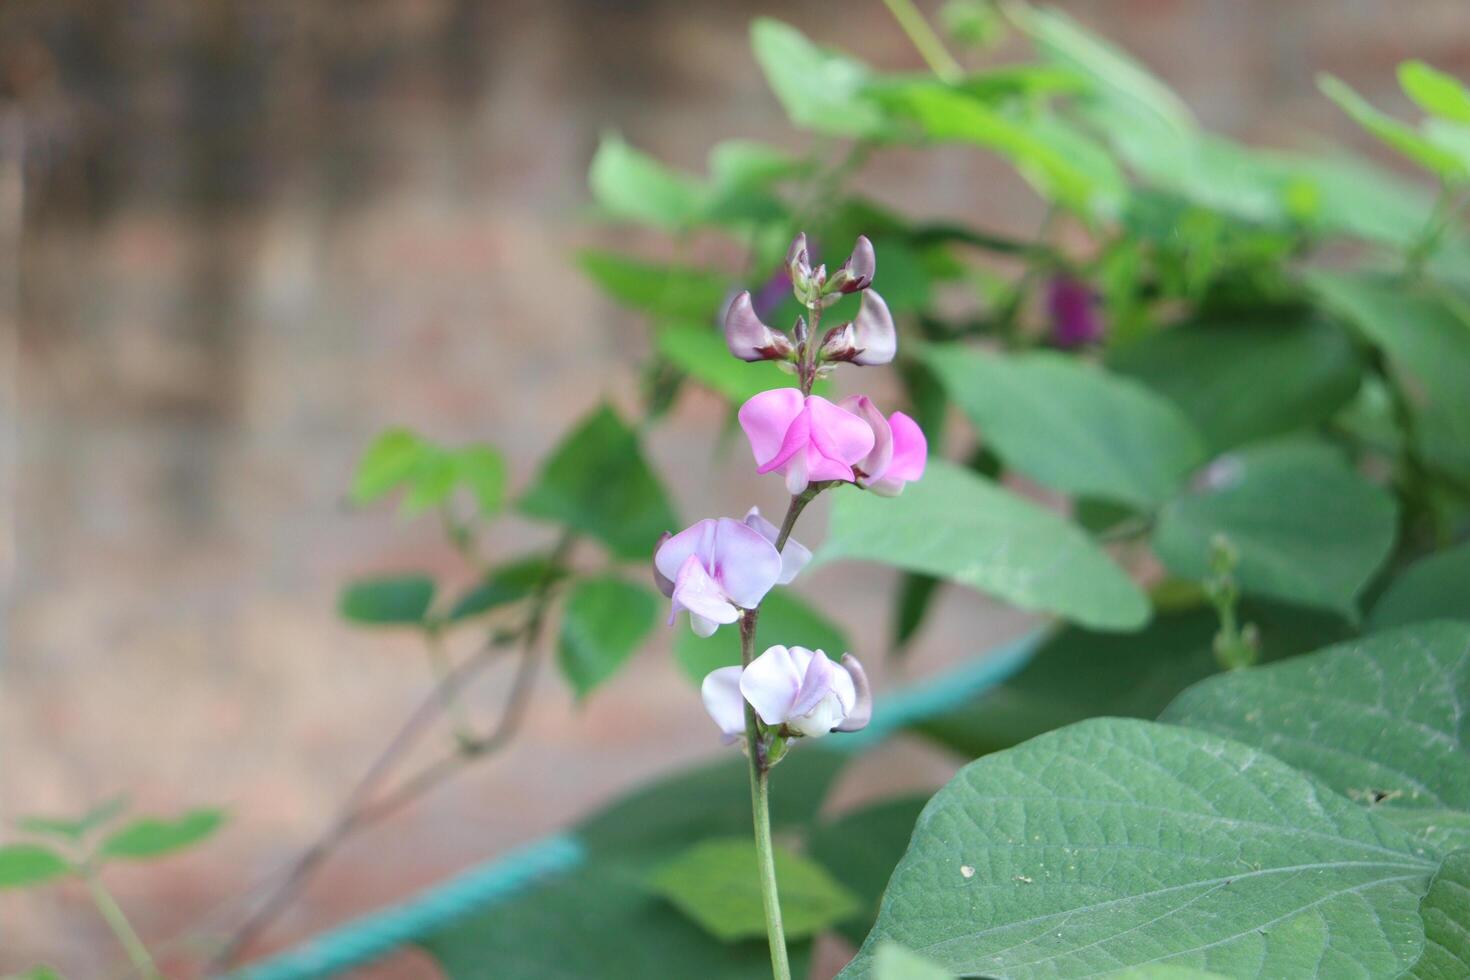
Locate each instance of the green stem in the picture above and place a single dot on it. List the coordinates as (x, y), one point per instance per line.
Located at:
(443, 667)
(925, 41)
(760, 802)
(1440, 220)
(112, 914)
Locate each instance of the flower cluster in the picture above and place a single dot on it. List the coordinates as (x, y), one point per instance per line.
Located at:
(720, 569)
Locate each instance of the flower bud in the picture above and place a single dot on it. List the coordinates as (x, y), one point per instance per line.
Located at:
(862, 710)
(798, 262)
(857, 272)
(748, 338)
(874, 334)
(1073, 308)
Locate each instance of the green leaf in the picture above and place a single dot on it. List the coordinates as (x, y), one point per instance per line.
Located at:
(893, 962)
(632, 186)
(655, 823)
(1080, 674)
(1117, 843)
(1435, 92)
(1432, 588)
(391, 600)
(784, 619)
(150, 838)
(663, 290)
(604, 622)
(1239, 381)
(431, 482)
(1384, 720)
(820, 89)
(861, 849)
(1388, 130)
(1428, 345)
(745, 165)
(75, 829)
(598, 482)
(1308, 529)
(959, 526)
(482, 469)
(1114, 75)
(504, 585)
(1071, 426)
(1446, 928)
(594, 921)
(389, 461)
(717, 884)
(699, 349)
(23, 865)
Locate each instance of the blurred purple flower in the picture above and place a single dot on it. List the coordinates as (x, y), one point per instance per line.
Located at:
(1072, 305)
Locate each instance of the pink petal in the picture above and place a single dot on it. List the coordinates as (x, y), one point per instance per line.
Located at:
(766, 417)
(664, 583)
(822, 678)
(747, 337)
(798, 471)
(744, 563)
(837, 433)
(796, 440)
(794, 555)
(862, 708)
(881, 454)
(910, 448)
(697, 592)
(696, 539)
(873, 331)
(771, 683)
(723, 701)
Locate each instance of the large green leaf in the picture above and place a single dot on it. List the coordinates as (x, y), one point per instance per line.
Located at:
(1080, 674)
(664, 290)
(717, 884)
(821, 89)
(603, 623)
(595, 921)
(1240, 380)
(959, 526)
(784, 619)
(390, 600)
(1428, 343)
(23, 865)
(861, 849)
(1071, 426)
(598, 482)
(1117, 843)
(653, 824)
(633, 186)
(1308, 529)
(152, 837)
(1435, 587)
(1383, 720)
(1446, 914)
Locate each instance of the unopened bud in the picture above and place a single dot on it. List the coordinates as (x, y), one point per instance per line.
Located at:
(874, 334)
(797, 260)
(857, 272)
(838, 344)
(748, 338)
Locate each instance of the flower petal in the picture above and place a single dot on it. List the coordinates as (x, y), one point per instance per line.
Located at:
(697, 592)
(820, 679)
(673, 552)
(836, 433)
(798, 437)
(794, 555)
(862, 708)
(881, 454)
(743, 562)
(722, 699)
(747, 337)
(771, 683)
(798, 471)
(766, 417)
(664, 583)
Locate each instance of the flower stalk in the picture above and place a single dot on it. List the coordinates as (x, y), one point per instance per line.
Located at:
(760, 800)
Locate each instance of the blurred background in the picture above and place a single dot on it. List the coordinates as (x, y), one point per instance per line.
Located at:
(239, 239)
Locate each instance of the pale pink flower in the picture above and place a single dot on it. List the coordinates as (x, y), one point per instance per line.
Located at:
(714, 569)
(794, 687)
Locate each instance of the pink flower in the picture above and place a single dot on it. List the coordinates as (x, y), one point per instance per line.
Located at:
(899, 448)
(804, 438)
(714, 569)
(794, 687)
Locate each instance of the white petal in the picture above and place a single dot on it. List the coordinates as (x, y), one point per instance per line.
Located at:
(771, 683)
(794, 555)
(701, 595)
(722, 699)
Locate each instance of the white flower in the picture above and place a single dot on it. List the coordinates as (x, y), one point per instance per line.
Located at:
(794, 687)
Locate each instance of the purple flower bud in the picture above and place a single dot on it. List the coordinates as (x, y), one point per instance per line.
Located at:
(1073, 307)
(857, 272)
(798, 261)
(748, 338)
(874, 334)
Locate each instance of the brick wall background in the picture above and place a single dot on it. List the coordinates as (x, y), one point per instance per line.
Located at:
(250, 235)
